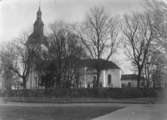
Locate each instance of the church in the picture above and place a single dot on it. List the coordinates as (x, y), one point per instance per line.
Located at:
(35, 43)
(110, 74)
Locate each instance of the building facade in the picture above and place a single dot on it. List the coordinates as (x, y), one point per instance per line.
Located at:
(130, 81)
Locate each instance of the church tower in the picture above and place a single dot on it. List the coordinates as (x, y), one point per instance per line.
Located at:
(37, 37)
(38, 25)
(35, 43)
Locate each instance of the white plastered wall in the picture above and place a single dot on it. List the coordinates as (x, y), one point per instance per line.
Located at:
(115, 77)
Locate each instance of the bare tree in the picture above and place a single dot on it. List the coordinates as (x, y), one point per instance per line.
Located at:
(64, 53)
(158, 12)
(99, 36)
(154, 69)
(6, 60)
(150, 66)
(139, 34)
(16, 53)
(148, 72)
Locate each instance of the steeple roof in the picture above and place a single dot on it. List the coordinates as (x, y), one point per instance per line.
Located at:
(37, 37)
(39, 11)
(38, 25)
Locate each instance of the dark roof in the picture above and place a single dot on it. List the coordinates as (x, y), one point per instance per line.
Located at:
(37, 39)
(90, 63)
(130, 77)
(101, 63)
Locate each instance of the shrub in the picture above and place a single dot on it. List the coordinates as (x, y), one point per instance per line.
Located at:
(85, 92)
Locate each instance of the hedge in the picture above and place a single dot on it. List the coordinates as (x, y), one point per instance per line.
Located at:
(85, 93)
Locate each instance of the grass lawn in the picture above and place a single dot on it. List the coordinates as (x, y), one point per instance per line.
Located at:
(54, 113)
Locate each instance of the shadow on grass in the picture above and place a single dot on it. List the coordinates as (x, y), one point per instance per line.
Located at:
(54, 113)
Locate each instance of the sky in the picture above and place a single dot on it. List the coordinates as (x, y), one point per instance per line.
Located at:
(18, 16)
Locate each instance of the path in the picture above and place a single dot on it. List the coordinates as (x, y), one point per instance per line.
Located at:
(138, 112)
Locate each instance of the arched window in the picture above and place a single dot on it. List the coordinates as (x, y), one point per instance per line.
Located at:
(109, 79)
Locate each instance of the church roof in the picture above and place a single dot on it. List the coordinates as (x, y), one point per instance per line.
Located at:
(101, 63)
(93, 63)
(37, 39)
(90, 63)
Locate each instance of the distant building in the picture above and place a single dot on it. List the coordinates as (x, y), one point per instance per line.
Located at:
(130, 80)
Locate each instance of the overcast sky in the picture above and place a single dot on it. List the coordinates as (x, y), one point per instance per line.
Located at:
(18, 16)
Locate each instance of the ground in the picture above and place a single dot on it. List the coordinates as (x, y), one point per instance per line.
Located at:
(138, 112)
(84, 111)
(53, 112)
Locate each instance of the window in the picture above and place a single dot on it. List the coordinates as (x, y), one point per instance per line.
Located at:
(109, 79)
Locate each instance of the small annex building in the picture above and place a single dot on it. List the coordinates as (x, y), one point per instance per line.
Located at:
(110, 75)
(130, 81)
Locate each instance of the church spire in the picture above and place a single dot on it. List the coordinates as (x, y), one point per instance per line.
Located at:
(39, 13)
(38, 25)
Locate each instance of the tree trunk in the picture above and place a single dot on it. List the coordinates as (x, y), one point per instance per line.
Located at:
(153, 83)
(59, 74)
(24, 83)
(138, 78)
(148, 83)
(98, 78)
(58, 80)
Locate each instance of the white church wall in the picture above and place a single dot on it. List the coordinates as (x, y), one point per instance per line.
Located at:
(32, 82)
(90, 75)
(115, 78)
